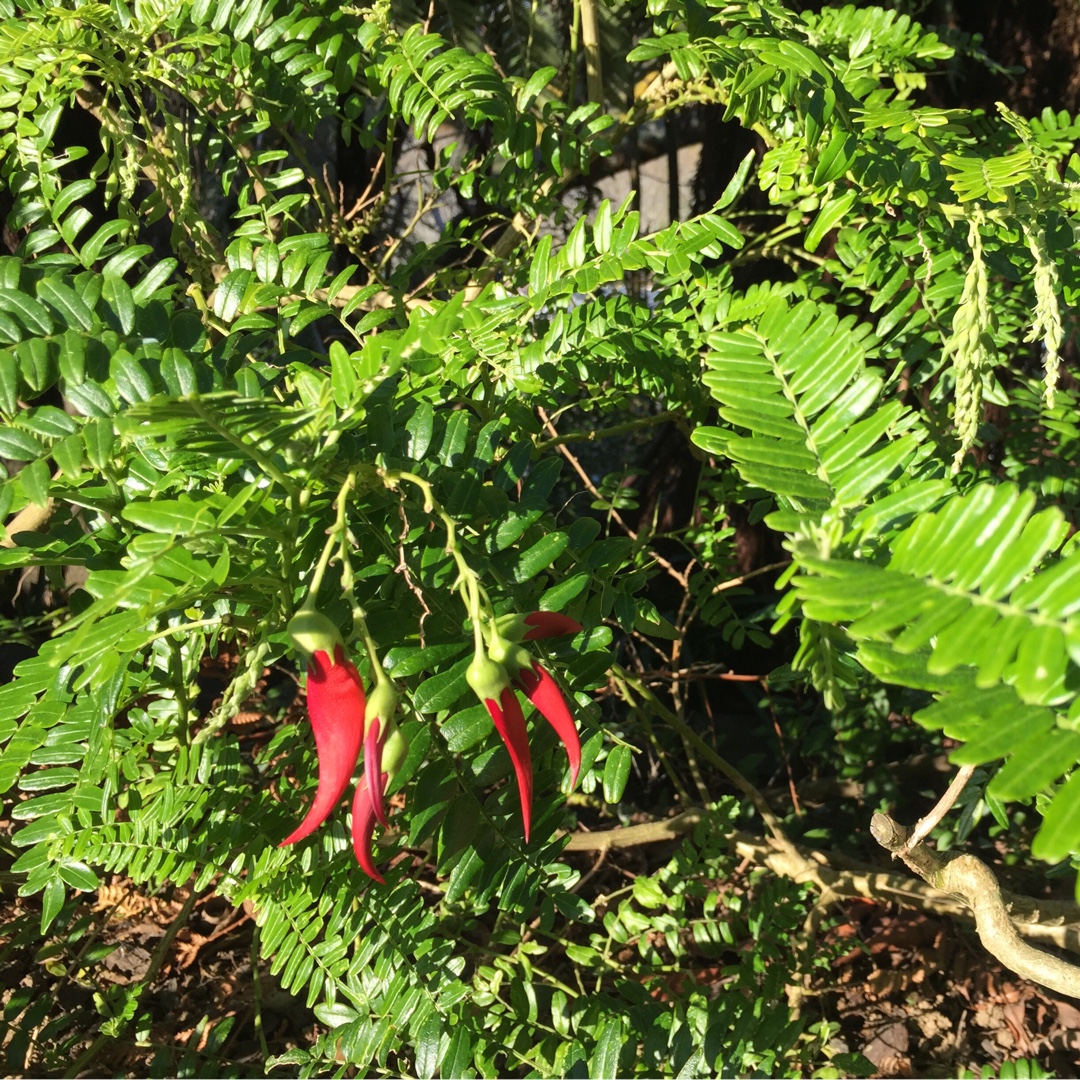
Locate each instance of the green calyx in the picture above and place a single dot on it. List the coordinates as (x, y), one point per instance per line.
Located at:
(311, 632)
(382, 702)
(487, 678)
(395, 750)
(512, 626)
(508, 654)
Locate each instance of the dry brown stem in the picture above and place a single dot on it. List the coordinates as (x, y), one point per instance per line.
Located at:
(31, 518)
(837, 876)
(971, 880)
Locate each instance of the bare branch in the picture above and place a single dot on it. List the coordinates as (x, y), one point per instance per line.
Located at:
(975, 884)
(838, 876)
(590, 40)
(30, 518)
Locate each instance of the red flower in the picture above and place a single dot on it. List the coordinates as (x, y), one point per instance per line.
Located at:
(507, 667)
(541, 689)
(385, 749)
(545, 624)
(363, 825)
(509, 722)
(340, 713)
(336, 706)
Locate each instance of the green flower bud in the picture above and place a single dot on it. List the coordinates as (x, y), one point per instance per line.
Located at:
(382, 702)
(395, 751)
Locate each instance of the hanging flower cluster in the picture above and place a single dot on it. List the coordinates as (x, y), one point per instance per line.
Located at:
(505, 667)
(344, 720)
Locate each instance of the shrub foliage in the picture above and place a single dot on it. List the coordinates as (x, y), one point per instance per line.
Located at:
(209, 362)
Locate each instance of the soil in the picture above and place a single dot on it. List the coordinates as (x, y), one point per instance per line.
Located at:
(919, 996)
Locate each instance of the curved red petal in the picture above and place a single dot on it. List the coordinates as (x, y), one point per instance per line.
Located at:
(363, 829)
(510, 724)
(335, 700)
(373, 747)
(545, 624)
(543, 691)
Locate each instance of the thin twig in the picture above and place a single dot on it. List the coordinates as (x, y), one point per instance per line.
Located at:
(761, 804)
(681, 791)
(696, 673)
(783, 749)
(362, 200)
(634, 835)
(735, 582)
(591, 872)
(257, 987)
(926, 825)
(677, 699)
(403, 568)
(592, 489)
(626, 428)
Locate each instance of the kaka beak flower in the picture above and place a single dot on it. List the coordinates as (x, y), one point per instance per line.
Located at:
(385, 749)
(491, 684)
(508, 667)
(545, 624)
(336, 706)
(533, 680)
(363, 826)
(543, 691)
(340, 715)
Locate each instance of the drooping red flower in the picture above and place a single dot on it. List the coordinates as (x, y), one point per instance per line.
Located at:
(509, 722)
(535, 682)
(340, 714)
(336, 707)
(507, 667)
(543, 691)
(373, 769)
(363, 824)
(385, 749)
(545, 624)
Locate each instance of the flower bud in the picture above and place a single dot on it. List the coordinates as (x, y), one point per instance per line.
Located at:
(536, 625)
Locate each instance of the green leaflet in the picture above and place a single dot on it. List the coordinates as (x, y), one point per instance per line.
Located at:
(983, 615)
(956, 582)
(800, 386)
